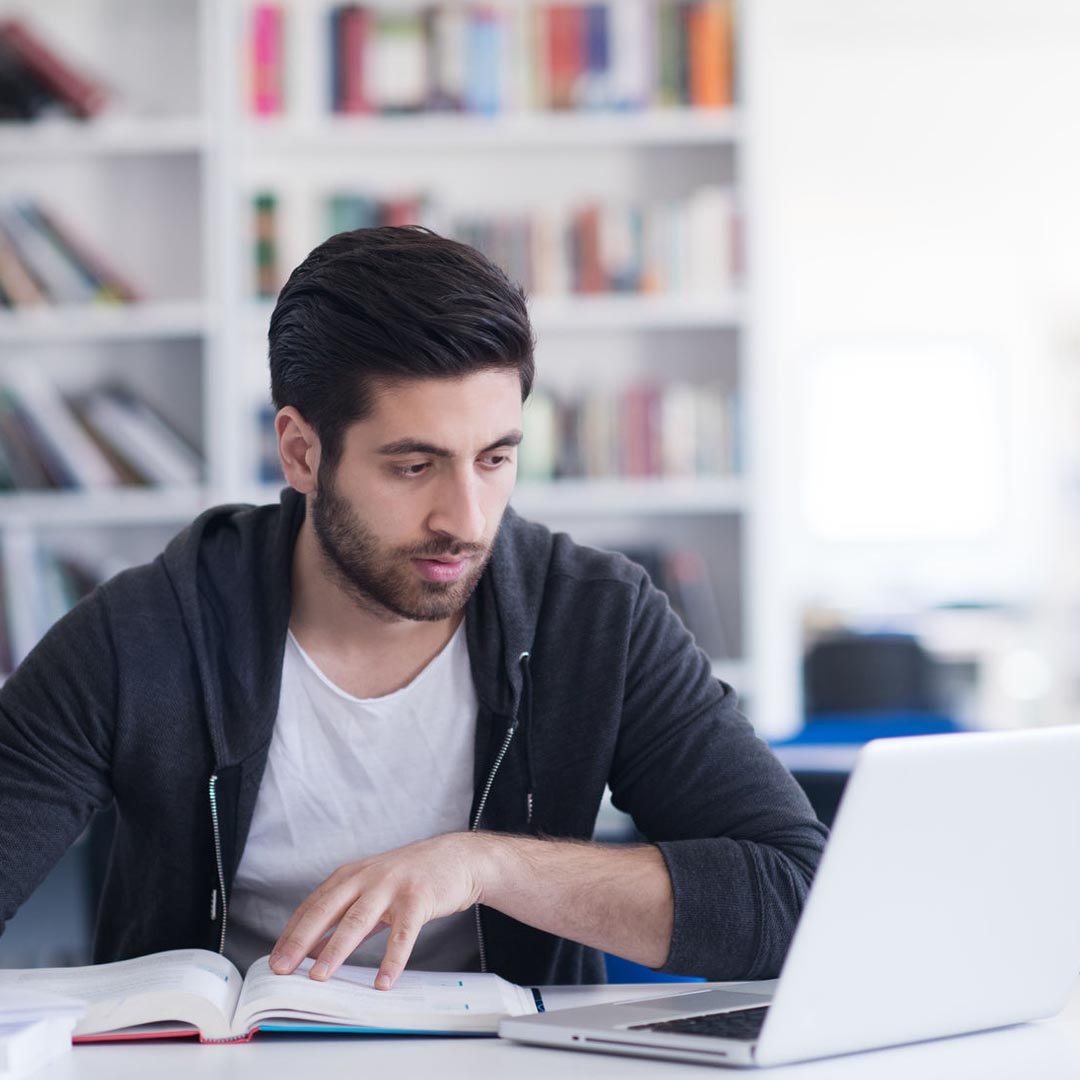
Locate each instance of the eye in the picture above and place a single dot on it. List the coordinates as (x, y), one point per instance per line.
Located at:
(493, 461)
(416, 469)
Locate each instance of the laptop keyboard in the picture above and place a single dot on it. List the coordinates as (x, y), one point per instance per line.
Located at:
(736, 1024)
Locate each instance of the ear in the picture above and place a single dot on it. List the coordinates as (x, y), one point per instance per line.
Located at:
(299, 450)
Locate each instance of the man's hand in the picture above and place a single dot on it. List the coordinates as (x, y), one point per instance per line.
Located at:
(402, 889)
(616, 898)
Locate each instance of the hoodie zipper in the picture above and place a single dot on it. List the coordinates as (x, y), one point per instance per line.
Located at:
(220, 868)
(480, 811)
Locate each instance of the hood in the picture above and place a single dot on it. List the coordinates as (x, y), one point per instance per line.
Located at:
(231, 570)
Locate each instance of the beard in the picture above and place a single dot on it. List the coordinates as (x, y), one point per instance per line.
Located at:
(385, 578)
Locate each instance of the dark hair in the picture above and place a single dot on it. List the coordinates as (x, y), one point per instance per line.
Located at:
(389, 304)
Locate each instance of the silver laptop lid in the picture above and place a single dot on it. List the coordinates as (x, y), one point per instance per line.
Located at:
(948, 898)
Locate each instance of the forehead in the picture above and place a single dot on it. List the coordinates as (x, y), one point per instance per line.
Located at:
(457, 411)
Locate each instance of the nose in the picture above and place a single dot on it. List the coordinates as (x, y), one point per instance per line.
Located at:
(458, 511)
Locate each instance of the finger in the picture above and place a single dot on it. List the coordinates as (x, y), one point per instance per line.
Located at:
(404, 930)
(356, 925)
(314, 919)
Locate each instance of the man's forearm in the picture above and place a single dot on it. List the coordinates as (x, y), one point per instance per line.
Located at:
(616, 898)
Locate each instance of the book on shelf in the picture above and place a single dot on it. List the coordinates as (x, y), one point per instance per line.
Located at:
(35, 78)
(671, 247)
(139, 438)
(43, 259)
(267, 59)
(492, 59)
(93, 440)
(195, 992)
(646, 430)
(267, 264)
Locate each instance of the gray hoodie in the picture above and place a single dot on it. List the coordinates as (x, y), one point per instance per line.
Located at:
(158, 693)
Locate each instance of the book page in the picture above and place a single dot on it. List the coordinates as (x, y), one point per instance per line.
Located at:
(432, 1001)
(193, 986)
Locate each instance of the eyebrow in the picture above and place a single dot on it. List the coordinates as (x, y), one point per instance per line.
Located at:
(417, 446)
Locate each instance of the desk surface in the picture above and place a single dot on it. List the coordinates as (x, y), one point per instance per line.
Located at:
(1048, 1050)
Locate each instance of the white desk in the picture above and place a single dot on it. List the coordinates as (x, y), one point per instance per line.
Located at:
(1049, 1050)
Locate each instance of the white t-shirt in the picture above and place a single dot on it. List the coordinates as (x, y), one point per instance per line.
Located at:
(348, 778)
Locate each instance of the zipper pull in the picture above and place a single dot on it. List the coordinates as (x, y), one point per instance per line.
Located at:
(213, 905)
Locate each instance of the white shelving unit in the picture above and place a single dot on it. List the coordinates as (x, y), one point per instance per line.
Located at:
(185, 158)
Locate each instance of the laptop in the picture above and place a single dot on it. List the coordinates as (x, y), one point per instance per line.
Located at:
(947, 901)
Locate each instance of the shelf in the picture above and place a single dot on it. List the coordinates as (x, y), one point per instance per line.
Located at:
(423, 132)
(104, 322)
(122, 506)
(610, 498)
(121, 135)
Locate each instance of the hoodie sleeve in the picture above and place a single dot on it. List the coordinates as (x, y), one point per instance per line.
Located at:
(55, 730)
(739, 837)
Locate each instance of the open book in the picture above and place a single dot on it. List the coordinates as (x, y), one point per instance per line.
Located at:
(193, 991)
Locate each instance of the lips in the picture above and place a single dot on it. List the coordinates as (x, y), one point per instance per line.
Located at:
(441, 570)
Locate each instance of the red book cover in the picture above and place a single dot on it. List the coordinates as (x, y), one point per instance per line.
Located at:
(355, 28)
(565, 53)
(85, 96)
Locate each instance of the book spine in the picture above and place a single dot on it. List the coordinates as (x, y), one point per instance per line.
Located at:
(594, 90)
(27, 470)
(38, 221)
(40, 458)
(138, 434)
(566, 53)
(110, 284)
(85, 96)
(398, 78)
(354, 46)
(267, 43)
(82, 463)
(267, 279)
(17, 281)
(449, 29)
(710, 54)
(630, 48)
(63, 283)
(482, 89)
(22, 96)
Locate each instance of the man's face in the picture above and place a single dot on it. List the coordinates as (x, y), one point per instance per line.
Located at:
(408, 516)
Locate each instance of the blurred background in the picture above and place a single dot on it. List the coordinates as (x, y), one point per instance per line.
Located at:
(805, 280)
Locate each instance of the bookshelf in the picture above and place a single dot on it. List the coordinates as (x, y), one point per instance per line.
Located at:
(165, 181)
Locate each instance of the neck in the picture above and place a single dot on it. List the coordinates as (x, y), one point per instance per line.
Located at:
(364, 648)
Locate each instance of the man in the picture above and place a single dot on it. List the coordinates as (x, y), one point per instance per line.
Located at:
(375, 723)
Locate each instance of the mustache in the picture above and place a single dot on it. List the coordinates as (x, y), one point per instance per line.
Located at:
(435, 549)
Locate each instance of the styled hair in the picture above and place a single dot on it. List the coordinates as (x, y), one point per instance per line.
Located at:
(385, 305)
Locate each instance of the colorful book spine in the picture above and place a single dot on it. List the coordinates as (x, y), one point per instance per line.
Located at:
(710, 54)
(492, 58)
(268, 59)
(267, 273)
(642, 431)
